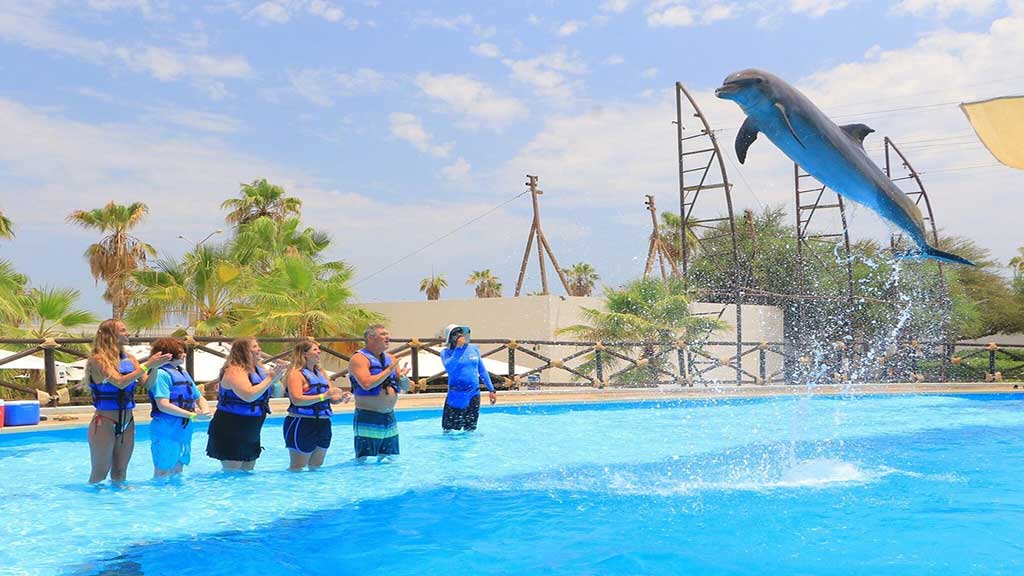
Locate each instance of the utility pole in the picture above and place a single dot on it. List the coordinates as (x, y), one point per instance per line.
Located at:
(542, 245)
(656, 248)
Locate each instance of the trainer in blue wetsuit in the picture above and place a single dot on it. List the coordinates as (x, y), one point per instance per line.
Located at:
(466, 370)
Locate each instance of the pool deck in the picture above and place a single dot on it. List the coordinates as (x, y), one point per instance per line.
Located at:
(78, 416)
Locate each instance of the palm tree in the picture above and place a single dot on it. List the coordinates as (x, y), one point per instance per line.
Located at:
(6, 227)
(433, 286)
(51, 313)
(647, 311)
(117, 255)
(261, 241)
(1017, 263)
(487, 285)
(582, 277)
(12, 288)
(203, 289)
(260, 199)
(300, 297)
(668, 231)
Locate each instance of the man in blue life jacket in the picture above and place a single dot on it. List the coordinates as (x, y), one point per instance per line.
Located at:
(466, 370)
(376, 380)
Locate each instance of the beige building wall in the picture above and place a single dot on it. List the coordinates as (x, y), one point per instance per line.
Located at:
(541, 317)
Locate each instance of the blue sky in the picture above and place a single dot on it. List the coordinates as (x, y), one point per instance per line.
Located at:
(397, 122)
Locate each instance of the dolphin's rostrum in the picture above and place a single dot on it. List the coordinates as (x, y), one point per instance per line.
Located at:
(832, 154)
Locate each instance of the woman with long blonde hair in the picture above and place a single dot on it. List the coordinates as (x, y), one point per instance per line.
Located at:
(307, 427)
(243, 403)
(112, 375)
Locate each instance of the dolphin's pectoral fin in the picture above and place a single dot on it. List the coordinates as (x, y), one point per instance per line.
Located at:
(745, 137)
(857, 132)
(789, 124)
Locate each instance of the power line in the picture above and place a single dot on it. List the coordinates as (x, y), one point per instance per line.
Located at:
(441, 237)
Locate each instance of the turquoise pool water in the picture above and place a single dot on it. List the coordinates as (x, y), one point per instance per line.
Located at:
(865, 485)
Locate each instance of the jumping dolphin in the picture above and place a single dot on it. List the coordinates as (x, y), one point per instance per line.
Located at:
(832, 154)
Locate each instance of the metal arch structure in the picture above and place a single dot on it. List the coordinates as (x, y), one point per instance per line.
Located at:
(705, 205)
(814, 198)
(916, 192)
(912, 185)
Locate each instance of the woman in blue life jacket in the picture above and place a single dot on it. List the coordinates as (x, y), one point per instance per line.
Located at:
(176, 402)
(112, 375)
(466, 371)
(243, 403)
(307, 427)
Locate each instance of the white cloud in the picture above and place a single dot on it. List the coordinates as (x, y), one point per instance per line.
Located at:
(487, 50)
(197, 119)
(614, 60)
(945, 8)
(648, 73)
(325, 10)
(271, 13)
(570, 27)
(29, 25)
(455, 23)
(282, 11)
(150, 9)
(683, 13)
(549, 74)
(457, 171)
(615, 6)
(670, 16)
(475, 101)
(408, 127)
(321, 86)
(817, 8)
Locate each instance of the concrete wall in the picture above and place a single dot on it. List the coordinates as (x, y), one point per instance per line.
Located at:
(541, 317)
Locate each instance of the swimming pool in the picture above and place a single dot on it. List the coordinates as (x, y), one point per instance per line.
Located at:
(823, 485)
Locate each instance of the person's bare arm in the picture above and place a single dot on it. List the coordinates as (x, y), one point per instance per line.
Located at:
(359, 367)
(238, 381)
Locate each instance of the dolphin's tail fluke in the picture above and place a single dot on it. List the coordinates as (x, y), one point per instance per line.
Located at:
(936, 254)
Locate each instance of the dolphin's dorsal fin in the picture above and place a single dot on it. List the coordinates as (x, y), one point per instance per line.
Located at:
(745, 137)
(857, 132)
(789, 124)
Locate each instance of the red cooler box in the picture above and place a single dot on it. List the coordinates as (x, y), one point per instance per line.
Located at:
(21, 412)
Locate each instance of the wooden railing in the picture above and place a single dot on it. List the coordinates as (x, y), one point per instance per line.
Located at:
(602, 364)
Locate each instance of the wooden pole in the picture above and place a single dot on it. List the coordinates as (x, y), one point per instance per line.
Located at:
(542, 245)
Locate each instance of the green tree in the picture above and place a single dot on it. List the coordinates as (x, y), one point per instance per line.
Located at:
(6, 227)
(668, 232)
(487, 285)
(432, 286)
(300, 297)
(1017, 263)
(118, 254)
(260, 199)
(647, 311)
(12, 288)
(259, 242)
(51, 313)
(582, 277)
(202, 288)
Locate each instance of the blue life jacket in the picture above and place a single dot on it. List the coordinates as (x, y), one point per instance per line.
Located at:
(375, 368)
(232, 403)
(182, 393)
(318, 384)
(106, 396)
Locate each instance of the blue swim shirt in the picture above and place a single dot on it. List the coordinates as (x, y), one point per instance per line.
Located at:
(465, 369)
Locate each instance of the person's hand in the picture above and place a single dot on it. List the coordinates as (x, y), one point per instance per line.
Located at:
(279, 370)
(345, 397)
(492, 396)
(202, 414)
(334, 395)
(401, 370)
(157, 360)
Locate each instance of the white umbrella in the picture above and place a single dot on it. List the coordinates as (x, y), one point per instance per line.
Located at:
(26, 363)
